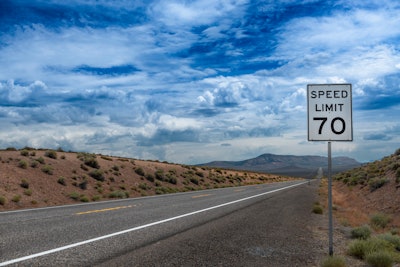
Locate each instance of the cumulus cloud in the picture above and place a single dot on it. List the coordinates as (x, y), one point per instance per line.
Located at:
(156, 79)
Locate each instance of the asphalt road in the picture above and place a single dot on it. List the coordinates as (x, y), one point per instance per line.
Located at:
(185, 229)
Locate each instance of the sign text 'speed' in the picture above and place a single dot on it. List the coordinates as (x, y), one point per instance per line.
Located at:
(329, 94)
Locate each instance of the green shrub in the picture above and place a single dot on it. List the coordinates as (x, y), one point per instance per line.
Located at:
(2, 200)
(61, 181)
(47, 169)
(379, 259)
(398, 175)
(89, 160)
(22, 164)
(334, 261)
(24, 184)
(118, 194)
(317, 209)
(144, 186)
(24, 153)
(83, 185)
(377, 183)
(380, 220)
(28, 192)
(51, 154)
(194, 180)
(139, 171)
(115, 168)
(40, 160)
(159, 174)
(96, 198)
(362, 232)
(74, 195)
(361, 248)
(84, 198)
(16, 198)
(97, 174)
(392, 239)
(34, 164)
(149, 177)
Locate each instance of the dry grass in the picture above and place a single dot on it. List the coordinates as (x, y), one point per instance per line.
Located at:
(70, 174)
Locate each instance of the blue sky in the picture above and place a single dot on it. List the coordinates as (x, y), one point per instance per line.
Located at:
(195, 81)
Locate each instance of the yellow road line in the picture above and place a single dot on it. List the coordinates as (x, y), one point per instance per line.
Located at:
(238, 190)
(198, 196)
(103, 210)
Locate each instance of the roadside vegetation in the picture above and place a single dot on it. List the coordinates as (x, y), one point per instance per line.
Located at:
(43, 177)
(375, 225)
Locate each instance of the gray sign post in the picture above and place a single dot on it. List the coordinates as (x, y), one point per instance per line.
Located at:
(330, 118)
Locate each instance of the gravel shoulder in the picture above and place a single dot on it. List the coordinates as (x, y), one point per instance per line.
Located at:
(278, 230)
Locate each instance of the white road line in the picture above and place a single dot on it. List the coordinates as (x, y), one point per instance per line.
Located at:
(138, 227)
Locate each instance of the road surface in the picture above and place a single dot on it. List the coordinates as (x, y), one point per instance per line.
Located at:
(220, 227)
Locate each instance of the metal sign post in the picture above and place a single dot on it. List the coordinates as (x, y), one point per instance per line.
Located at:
(329, 119)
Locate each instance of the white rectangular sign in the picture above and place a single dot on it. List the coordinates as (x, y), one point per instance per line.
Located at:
(329, 112)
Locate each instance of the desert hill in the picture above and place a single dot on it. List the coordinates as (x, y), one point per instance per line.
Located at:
(372, 188)
(39, 177)
(299, 166)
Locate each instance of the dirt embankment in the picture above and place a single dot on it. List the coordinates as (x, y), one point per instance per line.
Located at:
(37, 178)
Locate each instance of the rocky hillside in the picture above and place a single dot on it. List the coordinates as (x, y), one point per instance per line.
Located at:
(301, 166)
(37, 178)
(369, 189)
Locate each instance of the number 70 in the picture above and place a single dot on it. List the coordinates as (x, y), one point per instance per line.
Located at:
(333, 124)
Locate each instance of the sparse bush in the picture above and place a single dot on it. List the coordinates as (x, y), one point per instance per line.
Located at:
(84, 198)
(28, 192)
(379, 259)
(317, 209)
(380, 220)
(361, 248)
(139, 171)
(377, 183)
(398, 175)
(40, 160)
(115, 168)
(97, 174)
(106, 158)
(22, 164)
(194, 180)
(118, 194)
(47, 169)
(149, 177)
(51, 154)
(74, 195)
(96, 198)
(89, 160)
(34, 164)
(24, 153)
(16, 198)
(392, 239)
(144, 186)
(83, 167)
(61, 181)
(24, 184)
(2, 200)
(62, 157)
(159, 174)
(334, 261)
(83, 184)
(362, 232)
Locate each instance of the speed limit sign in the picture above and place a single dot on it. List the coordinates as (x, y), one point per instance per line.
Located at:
(329, 112)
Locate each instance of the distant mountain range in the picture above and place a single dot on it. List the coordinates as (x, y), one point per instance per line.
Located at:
(298, 166)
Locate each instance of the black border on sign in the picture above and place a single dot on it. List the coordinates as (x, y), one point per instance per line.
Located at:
(351, 111)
